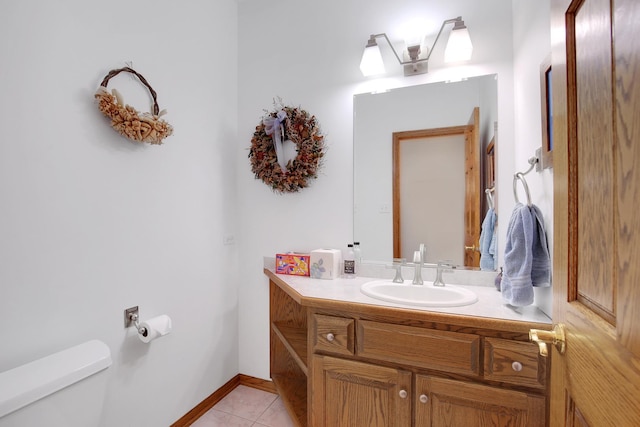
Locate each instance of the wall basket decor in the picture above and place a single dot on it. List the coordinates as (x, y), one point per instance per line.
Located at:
(281, 126)
(140, 127)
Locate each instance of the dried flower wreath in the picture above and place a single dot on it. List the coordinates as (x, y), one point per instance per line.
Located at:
(125, 119)
(267, 154)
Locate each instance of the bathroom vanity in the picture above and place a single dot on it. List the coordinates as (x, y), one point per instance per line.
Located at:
(340, 358)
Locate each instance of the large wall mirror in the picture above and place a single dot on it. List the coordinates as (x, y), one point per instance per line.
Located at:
(434, 169)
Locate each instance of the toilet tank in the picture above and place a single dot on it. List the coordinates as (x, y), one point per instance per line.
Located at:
(65, 389)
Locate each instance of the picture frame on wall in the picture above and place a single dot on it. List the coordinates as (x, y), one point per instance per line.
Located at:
(546, 113)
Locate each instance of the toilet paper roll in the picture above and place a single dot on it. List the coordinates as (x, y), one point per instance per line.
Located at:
(154, 328)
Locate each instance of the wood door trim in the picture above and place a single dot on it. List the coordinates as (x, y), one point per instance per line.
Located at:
(572, 149)
(473, 191)
(564, 201)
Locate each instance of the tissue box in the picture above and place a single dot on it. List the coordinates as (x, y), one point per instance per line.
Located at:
(325, 263)
(292, 263)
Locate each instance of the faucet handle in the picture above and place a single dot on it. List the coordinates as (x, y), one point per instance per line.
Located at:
(447, 266)
(398, 263)
(443, 267)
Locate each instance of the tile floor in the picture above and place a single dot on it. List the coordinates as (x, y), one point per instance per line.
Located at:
(246, 407)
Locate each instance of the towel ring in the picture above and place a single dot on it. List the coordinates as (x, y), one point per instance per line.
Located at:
(489, 193)
(520, 177)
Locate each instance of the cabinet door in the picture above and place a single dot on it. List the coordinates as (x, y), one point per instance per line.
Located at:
(440, 402)
(352, 394)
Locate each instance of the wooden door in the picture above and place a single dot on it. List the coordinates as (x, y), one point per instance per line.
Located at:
(442, 402)
(347, 393)
(596, 104)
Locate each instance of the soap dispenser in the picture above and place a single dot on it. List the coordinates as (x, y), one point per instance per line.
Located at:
(349, 263)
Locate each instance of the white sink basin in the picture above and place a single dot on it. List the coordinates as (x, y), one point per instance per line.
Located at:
(425, 295)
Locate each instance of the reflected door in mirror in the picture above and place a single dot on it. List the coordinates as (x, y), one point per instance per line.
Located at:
(436, 177)
(429, 197)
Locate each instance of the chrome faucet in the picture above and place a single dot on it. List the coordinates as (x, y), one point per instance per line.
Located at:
(418, 262)
(442, 266)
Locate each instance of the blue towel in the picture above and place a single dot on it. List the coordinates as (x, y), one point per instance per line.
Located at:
(493, 246)
(526, 257)
(516, 286)
(541, 264)
(488, 242)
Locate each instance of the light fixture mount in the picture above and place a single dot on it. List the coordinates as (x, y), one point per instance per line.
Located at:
(414, 65)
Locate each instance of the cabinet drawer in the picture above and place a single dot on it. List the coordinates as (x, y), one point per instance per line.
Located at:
(514, 362)
(424, 348)
(333, 334)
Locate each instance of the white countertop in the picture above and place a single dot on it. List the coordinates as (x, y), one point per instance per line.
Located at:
(489, 304)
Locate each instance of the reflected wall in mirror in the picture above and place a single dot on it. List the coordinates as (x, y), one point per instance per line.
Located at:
(417, 108)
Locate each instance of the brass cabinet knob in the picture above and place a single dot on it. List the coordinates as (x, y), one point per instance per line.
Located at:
(330, 337)
(542, 338)
(403, 394)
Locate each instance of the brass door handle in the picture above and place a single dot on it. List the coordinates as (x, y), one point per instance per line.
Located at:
(471, 248)
(555, 337)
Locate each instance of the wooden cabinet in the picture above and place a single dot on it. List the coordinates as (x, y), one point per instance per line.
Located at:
(288, 352)
(423, 348)
(333, 334)
(348, 393)
(444, 402)
(514, 362)
(356, 365)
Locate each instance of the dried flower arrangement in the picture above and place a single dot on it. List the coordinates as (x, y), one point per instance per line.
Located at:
(125, 119)
(265, 154)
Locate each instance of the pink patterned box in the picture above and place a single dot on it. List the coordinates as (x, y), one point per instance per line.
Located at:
(292, 263)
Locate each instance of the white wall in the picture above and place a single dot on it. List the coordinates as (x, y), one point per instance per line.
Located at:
(532, 43)
(91, 223)
(308, 53)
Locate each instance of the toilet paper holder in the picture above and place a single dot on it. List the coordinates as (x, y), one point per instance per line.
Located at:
(132, 318)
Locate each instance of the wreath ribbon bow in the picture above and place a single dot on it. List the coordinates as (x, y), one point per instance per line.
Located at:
(273, 127)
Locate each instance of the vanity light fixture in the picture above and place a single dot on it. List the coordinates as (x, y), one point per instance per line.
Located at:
(459, 48)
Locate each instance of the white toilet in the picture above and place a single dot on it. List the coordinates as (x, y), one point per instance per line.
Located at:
(65, 389)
